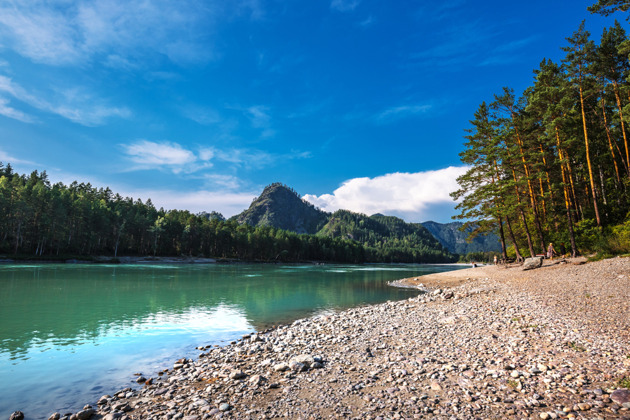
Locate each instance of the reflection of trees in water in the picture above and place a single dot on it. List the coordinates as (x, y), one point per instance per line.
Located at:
(69, 305)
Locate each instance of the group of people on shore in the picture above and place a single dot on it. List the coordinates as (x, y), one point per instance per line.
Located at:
(551, 251)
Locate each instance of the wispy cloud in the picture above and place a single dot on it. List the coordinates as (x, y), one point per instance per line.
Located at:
(412, 196)
(256, 159)
(7, 158)
(147, 154)
(344, 5)
(10, 112)
(456, 45)
(225, 202)
(202, 115)
(117, 32)
(259, 116)
(403, 111)
(73, 104)
(508, 53)
(369, 21)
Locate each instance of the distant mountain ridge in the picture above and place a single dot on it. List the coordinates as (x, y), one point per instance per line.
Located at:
(455, 240)
(281, 207)
(384, 237)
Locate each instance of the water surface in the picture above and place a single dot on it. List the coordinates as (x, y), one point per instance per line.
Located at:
(71, 333)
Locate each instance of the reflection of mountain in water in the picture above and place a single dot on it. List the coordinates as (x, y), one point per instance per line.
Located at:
(68, 305)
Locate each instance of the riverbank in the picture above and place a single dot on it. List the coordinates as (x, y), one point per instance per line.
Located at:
(487, 342)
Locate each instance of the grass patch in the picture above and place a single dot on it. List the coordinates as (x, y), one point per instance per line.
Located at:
(574, 346)
(624, 382)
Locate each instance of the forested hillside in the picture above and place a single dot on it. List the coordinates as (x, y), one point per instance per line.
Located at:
(44, 220)
(387, 238)
(281, 207)
(553, 165)
(47, 220)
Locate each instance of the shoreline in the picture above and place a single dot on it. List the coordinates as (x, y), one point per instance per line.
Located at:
(483, 342)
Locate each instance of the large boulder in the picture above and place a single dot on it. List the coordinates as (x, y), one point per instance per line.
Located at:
(532, 263)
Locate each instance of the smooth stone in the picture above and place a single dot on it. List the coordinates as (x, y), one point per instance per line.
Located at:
(435, 386)
(85, 414)
(54, 416)
(17, 415)
(237, 374)
(224, 407)
(103, 399)
(620, 396)
(305, 359)
(257, 380)
(281, 367)
(297, 367)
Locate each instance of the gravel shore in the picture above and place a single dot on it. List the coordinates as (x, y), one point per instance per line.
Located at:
(488, 342)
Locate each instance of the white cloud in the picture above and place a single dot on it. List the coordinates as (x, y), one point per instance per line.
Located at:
(149, 153)
(39, 32)
(412, 196)
(344, 5)
(73, 104)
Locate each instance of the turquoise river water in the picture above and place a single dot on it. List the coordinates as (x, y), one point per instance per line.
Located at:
(71, 333)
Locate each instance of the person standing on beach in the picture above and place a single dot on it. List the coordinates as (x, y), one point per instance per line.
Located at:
(550, 251)
(495, 260)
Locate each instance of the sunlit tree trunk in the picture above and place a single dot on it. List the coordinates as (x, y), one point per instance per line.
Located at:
(588, 159)
(610, 143)
(567, 201)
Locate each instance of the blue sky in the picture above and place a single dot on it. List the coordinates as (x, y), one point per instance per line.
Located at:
(356, 104)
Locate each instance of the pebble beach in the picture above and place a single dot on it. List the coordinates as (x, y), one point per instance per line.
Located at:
(490, 342)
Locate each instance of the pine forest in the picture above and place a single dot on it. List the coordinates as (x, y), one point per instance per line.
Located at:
(553, 165)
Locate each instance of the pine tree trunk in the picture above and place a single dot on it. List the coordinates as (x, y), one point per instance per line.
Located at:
(519, 257)
(623, 129)
(532, 253)
(588, 160)
(610, 144)
(567, 198)
(502, 237)
(530, 190)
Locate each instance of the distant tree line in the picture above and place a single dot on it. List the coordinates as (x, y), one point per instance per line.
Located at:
(553, 165)
(56, 220)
